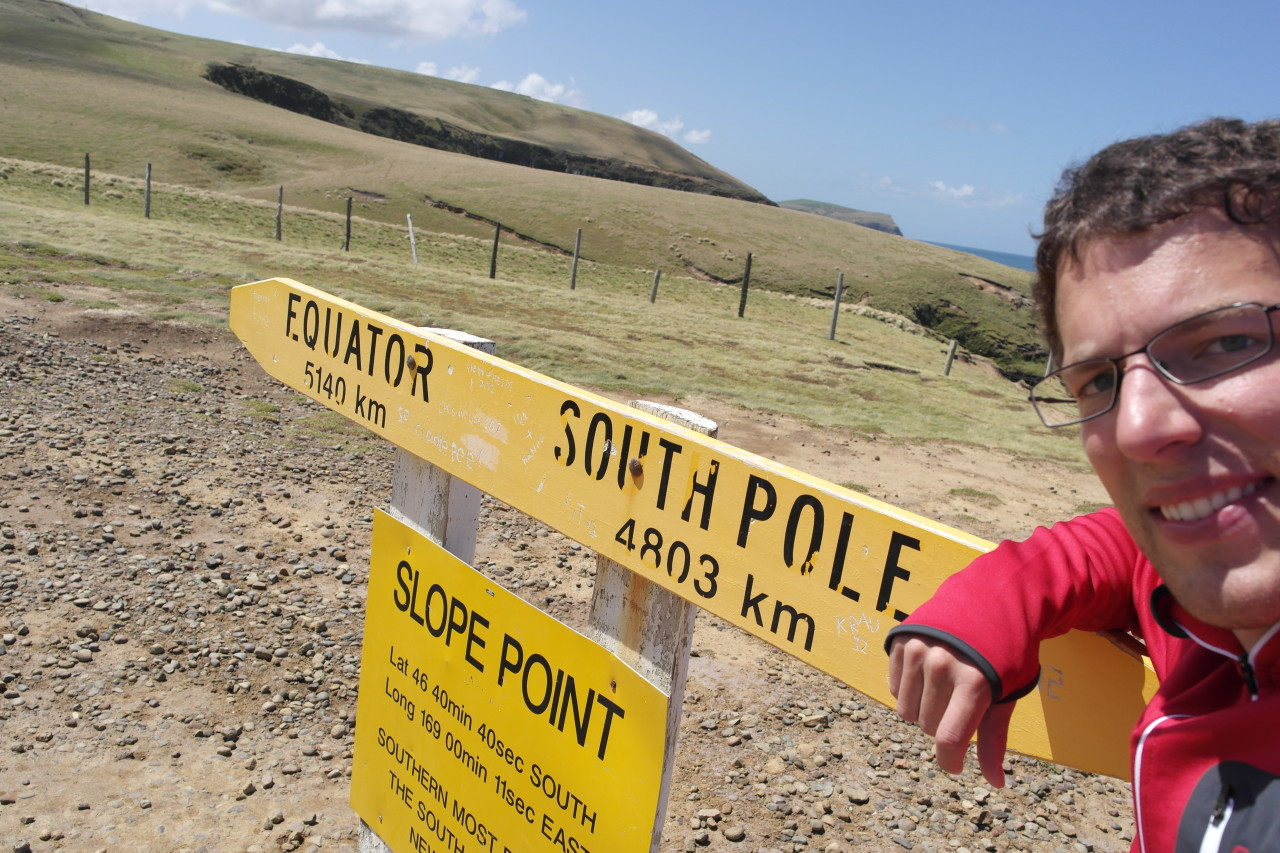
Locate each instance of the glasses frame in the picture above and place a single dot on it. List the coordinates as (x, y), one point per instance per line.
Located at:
(1117, 367)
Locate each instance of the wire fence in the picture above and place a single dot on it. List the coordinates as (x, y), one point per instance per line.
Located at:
(837, 291)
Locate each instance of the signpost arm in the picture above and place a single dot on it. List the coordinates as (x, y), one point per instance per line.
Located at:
(649, 628)
(564, 469)
(444, 508)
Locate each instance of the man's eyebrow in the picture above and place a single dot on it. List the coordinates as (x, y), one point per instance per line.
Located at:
(1089, 352)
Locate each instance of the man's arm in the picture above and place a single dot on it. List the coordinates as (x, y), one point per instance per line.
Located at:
(950, 698)
(959, 663)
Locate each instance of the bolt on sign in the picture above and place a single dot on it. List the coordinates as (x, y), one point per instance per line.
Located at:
(486, 724)
(817, 570)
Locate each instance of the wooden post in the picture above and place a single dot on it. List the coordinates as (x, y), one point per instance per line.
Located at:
(443, 508)
(413, 241)
(835, 309)
(86, 179)
(746, 282)
(146, 204)
(951, 355)
(577, 250)
(657, 277)
(493, 257)
(279, 210)
(647, 627)
(346, 244)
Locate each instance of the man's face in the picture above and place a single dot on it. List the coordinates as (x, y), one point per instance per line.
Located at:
(1191, 468)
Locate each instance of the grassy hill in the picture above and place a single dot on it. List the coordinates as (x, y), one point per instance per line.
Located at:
(172, 71)
(133, 96)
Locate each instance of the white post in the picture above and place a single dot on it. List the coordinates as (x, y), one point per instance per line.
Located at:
(443, 508)
(649, 628)
(413, 242)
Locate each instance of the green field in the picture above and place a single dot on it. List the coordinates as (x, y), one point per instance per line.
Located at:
(881, 375)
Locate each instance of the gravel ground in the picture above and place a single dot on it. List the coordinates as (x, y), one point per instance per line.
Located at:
(184, 545)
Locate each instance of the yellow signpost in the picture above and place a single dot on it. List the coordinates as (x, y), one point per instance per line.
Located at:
(488, 725)
(817, 570)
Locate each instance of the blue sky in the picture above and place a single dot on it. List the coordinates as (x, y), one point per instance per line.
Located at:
(954, 118)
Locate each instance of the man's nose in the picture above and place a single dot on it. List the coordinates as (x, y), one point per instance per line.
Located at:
(1153, 414)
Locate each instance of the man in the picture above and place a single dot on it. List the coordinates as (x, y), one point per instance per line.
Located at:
(1159, 280)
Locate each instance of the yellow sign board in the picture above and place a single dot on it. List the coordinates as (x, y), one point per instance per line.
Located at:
(485, 724)
(817, 570)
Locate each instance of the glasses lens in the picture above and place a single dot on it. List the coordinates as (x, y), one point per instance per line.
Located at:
(1077, 392)
(1054, 402)
(1212, 344)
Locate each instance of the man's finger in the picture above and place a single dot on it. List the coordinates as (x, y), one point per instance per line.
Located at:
(904, 676)
(993, 737)
(957, 721)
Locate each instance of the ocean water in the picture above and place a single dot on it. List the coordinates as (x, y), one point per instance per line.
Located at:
(1021, 262)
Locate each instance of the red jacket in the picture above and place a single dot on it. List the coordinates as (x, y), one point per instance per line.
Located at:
(1206, 751)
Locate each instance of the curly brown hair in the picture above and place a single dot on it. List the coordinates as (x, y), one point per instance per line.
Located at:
(1140, 184)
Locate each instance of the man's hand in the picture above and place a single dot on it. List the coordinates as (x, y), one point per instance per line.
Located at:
(941, 690)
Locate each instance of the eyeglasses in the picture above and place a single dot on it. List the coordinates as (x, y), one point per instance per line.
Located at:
(1197, 349)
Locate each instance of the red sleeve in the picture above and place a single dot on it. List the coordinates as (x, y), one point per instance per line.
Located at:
(1086, 573)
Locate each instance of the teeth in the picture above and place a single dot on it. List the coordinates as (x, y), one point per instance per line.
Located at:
(1203, 507)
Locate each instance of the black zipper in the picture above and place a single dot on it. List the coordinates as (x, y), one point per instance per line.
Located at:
(1220, 807)
(1250, 679)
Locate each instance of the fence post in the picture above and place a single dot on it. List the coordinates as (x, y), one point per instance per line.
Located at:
(835, 309)
(577, 249)
(657, 277)
(746, 282)
(647, 627)
(413, 241)
(951, 355)
(86, 179)
(146, 205)
(279, 210)
(346, 244)
(493, 256)
(444, 508)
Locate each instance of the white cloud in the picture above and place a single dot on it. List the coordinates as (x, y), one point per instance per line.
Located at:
(423, 19)
(962, 195)
(962, 192)
(650, 120)
(132, 10)
(536, 86)
(432, 20)
(463, 74)
(316, 49)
